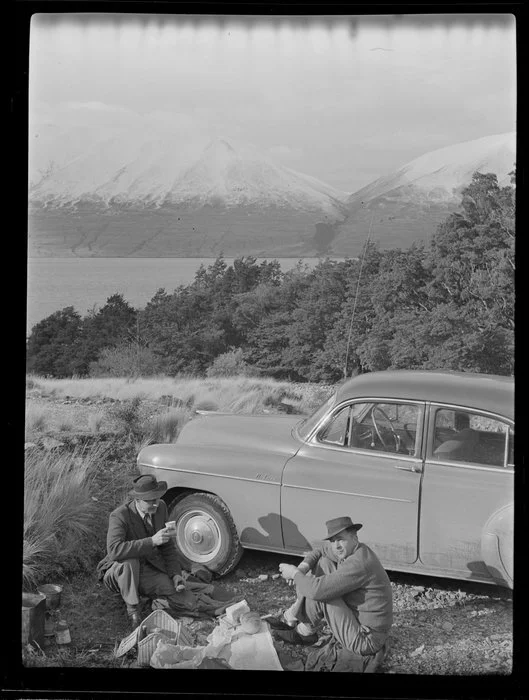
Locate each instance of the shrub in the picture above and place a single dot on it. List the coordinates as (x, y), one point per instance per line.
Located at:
(231, 364)
(128, 359)
(58, 509)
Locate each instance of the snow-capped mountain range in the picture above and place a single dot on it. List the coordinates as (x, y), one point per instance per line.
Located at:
(144, 195)
(439, 176)
(115, 173)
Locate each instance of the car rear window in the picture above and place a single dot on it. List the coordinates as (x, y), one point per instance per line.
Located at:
(465, 436)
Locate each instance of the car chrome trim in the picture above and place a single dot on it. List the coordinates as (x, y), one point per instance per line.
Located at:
(348, 493)
(222, 476)
(468, 465)
(359, 451)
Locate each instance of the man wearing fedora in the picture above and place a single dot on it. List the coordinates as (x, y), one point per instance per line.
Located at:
(342, 582)
(141, 554)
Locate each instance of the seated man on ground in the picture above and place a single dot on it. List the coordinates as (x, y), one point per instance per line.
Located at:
(342, 582)
(142, 559)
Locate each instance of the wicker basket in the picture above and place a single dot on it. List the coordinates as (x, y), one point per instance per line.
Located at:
(159, 618)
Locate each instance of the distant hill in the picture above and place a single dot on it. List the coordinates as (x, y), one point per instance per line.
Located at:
(232, 200)
(126, 197)
(409, 204)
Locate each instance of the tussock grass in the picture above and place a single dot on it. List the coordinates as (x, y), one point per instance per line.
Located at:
(36, 419)
(58, 508)
(66, 425)
(228, 394)
(95, 421)
(165, 427)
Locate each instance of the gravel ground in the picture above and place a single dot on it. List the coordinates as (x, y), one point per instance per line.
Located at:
(441, 627)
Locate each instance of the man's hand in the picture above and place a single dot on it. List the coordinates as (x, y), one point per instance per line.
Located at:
(288, 571)
(161, 537)
(179, 583)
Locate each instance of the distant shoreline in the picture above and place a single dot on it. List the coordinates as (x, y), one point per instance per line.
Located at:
(188, 257)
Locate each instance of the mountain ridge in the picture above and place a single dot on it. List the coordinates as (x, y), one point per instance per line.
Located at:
(234, 200)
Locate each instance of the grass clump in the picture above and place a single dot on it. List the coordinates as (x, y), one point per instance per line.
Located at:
(165, 427)
(65, 425)
(95, 421)
(127, 417)
(35, 419)
(58, 508)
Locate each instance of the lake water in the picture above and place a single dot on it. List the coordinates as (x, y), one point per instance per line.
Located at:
(83, 283)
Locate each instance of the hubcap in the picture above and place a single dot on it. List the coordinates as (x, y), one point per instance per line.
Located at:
(198, 536)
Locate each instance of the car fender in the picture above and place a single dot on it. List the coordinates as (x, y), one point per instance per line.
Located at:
(497, 545)
(248, 483)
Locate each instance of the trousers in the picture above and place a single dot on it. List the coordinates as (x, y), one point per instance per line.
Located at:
(341, 619)
(133, 578)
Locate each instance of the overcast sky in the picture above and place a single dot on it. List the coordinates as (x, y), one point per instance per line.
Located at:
(343, 99)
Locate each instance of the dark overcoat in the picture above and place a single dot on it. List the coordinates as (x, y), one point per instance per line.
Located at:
(127, 538)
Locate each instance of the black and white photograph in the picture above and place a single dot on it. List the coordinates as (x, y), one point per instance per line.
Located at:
(269, 373)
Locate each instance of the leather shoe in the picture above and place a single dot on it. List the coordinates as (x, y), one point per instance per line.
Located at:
(292, 636)
(135, 620)
(278, 623)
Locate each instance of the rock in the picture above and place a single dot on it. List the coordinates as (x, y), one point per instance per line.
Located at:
(263, 577)
(447, 626)
(50, 443)
(275, 576)
(417, 651)
(29, 445)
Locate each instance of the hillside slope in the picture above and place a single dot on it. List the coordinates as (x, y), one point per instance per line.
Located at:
(231, 199)
(409, 203)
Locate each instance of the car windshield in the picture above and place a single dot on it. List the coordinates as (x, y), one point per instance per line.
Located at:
(305, 427)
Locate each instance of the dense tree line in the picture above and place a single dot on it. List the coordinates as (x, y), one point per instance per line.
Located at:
(446, 305)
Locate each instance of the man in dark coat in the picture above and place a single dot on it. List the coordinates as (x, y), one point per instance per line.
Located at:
(342, 582)
(141, 554)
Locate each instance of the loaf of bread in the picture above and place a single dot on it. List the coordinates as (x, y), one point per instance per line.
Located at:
(250, 622)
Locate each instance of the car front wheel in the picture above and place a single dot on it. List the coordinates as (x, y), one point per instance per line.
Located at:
(206, 533)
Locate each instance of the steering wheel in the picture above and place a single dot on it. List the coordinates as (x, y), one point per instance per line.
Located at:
(378, 431)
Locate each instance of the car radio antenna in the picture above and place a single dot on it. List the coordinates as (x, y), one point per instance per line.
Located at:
(356, 297)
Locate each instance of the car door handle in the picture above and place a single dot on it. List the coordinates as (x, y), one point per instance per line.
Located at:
(409, 468)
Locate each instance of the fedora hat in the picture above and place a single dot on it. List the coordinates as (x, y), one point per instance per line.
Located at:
(337, 525)
(147, 488)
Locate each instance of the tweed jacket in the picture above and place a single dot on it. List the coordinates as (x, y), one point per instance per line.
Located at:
(360, 579)
(127, 538)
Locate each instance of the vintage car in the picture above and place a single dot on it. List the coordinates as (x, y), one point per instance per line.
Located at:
(424, 459)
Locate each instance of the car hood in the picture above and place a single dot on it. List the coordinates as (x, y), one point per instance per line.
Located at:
(270, 433)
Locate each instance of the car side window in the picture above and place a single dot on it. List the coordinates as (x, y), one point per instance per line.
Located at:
(466, 436)
(335, 431)
(386, 427)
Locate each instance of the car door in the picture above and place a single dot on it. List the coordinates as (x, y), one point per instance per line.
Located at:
(364, 460)
(468, 478)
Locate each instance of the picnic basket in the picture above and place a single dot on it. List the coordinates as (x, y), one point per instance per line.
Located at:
(157, 620)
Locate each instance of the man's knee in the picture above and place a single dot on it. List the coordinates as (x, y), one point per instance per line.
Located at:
(325, 566)
(129, 568)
